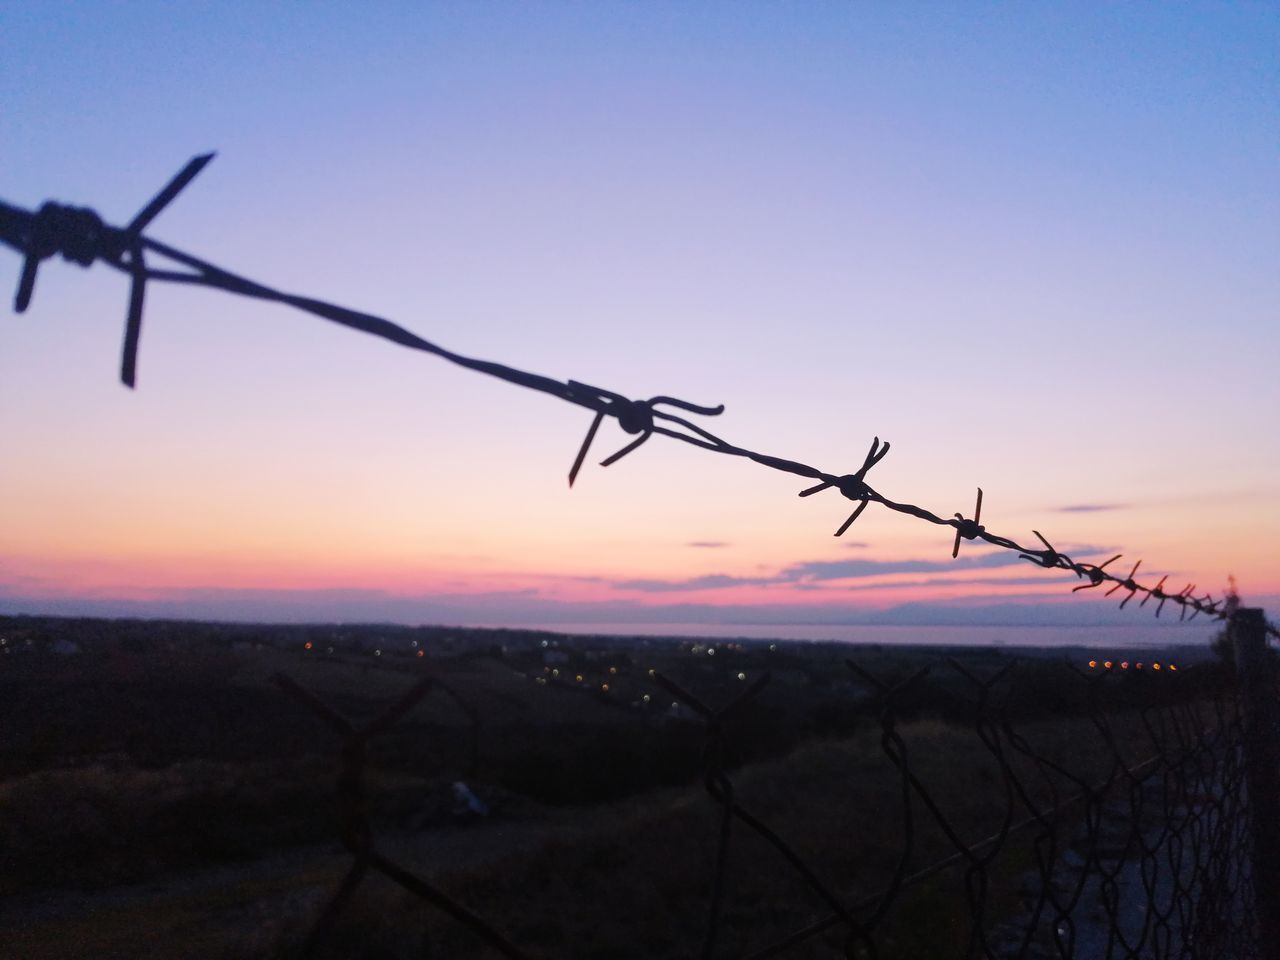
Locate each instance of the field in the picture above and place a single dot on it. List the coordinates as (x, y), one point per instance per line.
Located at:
(160, 792)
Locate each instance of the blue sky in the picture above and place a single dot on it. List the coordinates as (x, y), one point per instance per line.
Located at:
(1035, 247)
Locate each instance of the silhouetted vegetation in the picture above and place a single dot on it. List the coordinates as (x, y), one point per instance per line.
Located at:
(135, 750)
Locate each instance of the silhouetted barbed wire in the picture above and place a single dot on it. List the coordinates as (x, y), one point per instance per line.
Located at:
(82, 237)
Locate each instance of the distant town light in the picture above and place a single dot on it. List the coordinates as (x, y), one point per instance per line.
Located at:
(711, 651)
(1092, 664)
(652, 671)
(1124, 664)
(1107, 664)
(613, 670)
(307, 645)
(421, 653)
(578, 678)
(1172, 667)
(742, 676)
(1138, 665)
(604, 687)
(328, 650)
(413, 643)
(377, 653)
(773, 646)
(555, 673)
(1155, 666)
(645, 698)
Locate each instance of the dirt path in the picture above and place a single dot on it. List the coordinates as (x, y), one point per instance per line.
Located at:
(242, 910)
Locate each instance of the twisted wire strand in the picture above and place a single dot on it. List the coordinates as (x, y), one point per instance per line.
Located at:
(81, 237)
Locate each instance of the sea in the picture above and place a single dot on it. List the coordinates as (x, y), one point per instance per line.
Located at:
(1150, 636)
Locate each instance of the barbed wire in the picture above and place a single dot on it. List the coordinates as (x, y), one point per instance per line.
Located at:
(82, 237)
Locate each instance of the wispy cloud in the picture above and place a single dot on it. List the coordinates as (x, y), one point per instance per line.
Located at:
(1093, 507)
(713, 581)
(819, 571)
(852, 569)
(1032, 581)
(706, 544)
(1086, 549)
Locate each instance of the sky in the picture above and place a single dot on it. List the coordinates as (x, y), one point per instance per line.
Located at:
(1034, 247)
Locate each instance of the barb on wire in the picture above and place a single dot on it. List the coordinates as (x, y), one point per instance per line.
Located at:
(82, 237)
(852, 485)
(1049, 557)
(1097, 574)
(1183, 598)
(968, 529)
(1158, 593)
(634, 417)
(1128, 584)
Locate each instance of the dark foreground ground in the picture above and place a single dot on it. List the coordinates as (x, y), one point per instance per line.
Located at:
(160, 793)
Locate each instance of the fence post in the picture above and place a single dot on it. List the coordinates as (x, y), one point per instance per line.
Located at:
(1255, 673)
